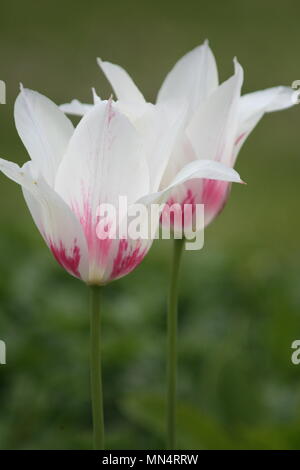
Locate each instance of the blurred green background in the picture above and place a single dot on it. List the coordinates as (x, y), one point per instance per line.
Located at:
(240, 296)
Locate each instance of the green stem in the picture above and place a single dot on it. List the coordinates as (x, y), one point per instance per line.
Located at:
(96, 374)
(172, 345)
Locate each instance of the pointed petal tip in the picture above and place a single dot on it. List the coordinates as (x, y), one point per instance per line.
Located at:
(204, 46)
(237, 178)
(236, 63)
(109, 109)
(96, 97)
(238, 69)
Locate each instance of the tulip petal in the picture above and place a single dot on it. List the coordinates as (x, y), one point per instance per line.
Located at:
(212, 130)
(253, 106)
(104, 160)
(125, 255)
(96, 97)
(268, 100)
(209, 169)
(183, 153)
(198, 169)
(193, 78)
(57, 224)
(211, 189)
(44, 130)
(199, 182)
(75, 108)
(122, 84)
(160, 127)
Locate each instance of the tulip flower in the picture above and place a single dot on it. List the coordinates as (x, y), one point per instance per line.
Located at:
(217, 123)
(73, 171)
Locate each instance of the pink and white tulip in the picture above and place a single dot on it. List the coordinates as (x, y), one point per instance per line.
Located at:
(73, 171)
(218, 120)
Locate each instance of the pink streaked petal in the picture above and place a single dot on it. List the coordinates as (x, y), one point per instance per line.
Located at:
(56, 222)
(69, 261)
(99, 249)
(128, 257)
(187, 196)
(180, 213)
(240, 138)
(90, 175)
(44, 130)
(212, 193)
(214, 197)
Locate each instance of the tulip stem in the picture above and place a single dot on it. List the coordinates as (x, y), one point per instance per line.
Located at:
(96, 374)
(172, 344)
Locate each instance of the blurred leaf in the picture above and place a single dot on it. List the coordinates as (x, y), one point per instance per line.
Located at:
(195, 429)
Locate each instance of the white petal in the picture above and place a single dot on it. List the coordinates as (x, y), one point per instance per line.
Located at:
(213, 128)
(44, 130)
(194, 184)
(268, 100)
(96, 97)
(132, 110)
(76, 108)
(183, 153)
(193, 78)
(202, 169)
(207, 169)
(104, 161)
(54, 219)
(105, 158)
(123, 85)
(253, 106)
(160, 127)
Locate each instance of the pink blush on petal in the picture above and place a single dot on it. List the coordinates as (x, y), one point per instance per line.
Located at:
(239, 138)
(99, 249)
(214, 195)
(179, 216)
(69, 262)
(126, 260)
(187, 215)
